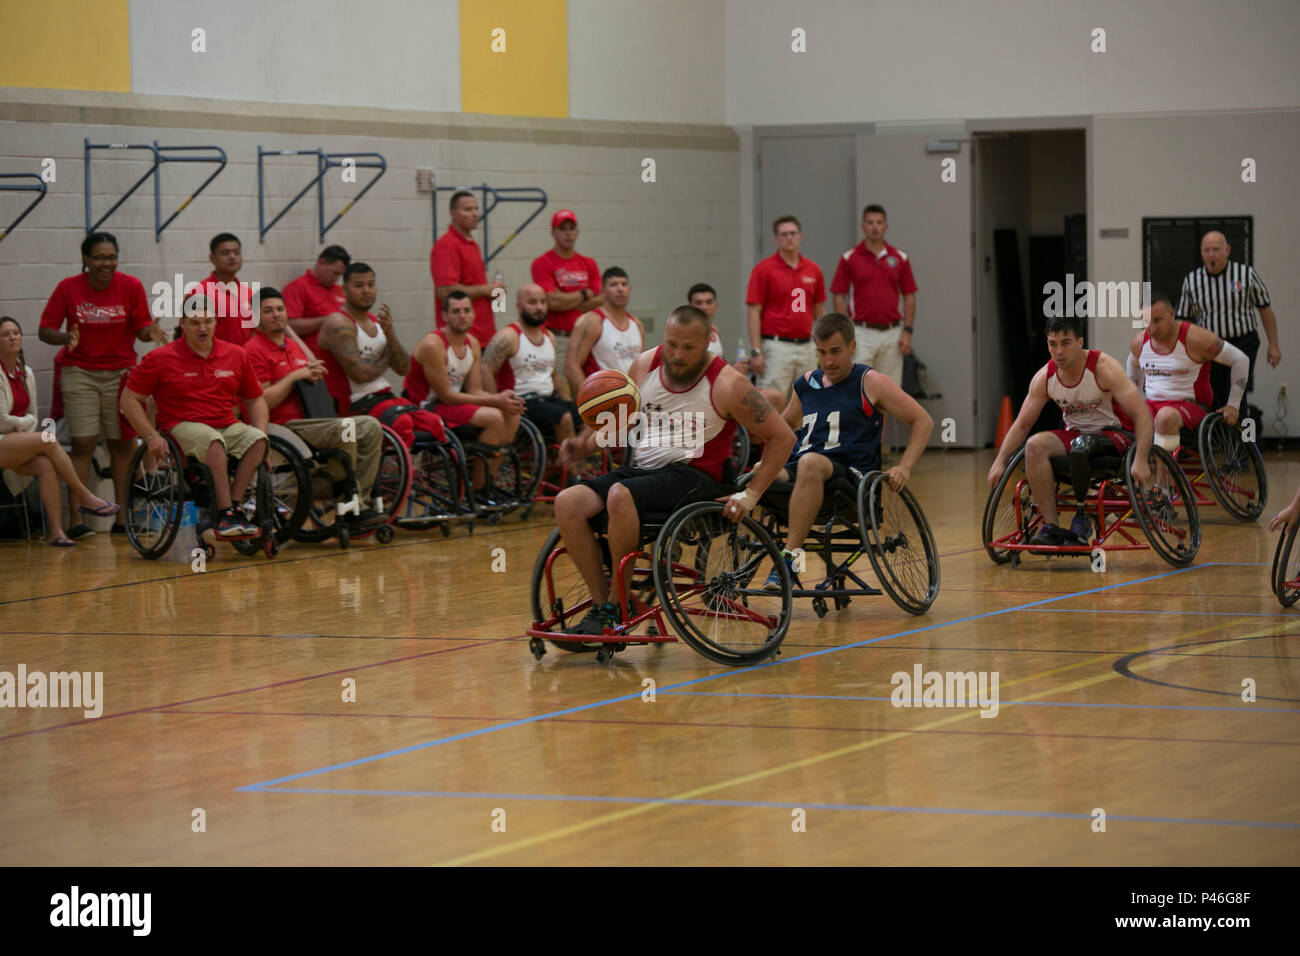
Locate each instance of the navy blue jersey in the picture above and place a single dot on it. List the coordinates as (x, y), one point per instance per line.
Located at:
(838, 420)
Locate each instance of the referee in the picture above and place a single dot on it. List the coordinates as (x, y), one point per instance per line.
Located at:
(1223, 296)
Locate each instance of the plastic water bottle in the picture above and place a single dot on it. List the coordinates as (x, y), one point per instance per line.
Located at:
(186, 539)
(499, 276)
(742, 350)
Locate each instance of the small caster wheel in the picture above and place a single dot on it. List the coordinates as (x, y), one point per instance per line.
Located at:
(842, 602)
(604, 654)
(526, 513)
(537, 646)
(494, 518)
(345, 537)
(385, 533)
(1015, 559)
(471, 527)
(209, 551)
(652, 630)
(819, 605)
(445, 528)
(272, 549)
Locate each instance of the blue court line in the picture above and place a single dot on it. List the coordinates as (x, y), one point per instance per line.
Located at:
(730, 672)
(1005, 703)
(779, 805)
(1076, 610)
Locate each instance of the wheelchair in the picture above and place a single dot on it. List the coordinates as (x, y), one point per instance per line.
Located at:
(157, 490)
(1231, 469)
(442, 489)
(1117, 508)
(1285, 575)
(862, 514)
(694, 574)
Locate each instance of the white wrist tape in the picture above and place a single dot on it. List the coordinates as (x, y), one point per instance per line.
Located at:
(746, 499)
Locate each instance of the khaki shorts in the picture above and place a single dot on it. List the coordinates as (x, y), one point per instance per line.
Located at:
(195, 437)
(90, 400)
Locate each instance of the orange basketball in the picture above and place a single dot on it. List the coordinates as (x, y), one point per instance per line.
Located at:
(607, 391)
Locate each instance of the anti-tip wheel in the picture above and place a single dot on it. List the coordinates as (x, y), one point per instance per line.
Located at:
(445, 528)
(537, 646)
(384, 534)
(605, 654)
(819, 605)
(345, 537)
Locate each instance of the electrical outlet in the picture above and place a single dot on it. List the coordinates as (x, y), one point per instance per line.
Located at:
(1281, 391)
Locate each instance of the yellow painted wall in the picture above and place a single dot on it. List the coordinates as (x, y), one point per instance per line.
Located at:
(531, 78)
(66, 44)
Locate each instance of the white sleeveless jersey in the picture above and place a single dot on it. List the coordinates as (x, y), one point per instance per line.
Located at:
(1086, 407)
(616, 349)
(715, 346)
(370, 347)
(682, 426)
(458, 366)
(1172, 376)
(533, 366)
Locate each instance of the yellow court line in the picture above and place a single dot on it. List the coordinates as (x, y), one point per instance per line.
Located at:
(618, 815)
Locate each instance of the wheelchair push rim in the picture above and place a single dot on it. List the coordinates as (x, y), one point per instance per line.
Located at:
(1286, 567)
(1003, 522)
(1234, 468)
(155, 500)
(899, 543)
(1166, 511)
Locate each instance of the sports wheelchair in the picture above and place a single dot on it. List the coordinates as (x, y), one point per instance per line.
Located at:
(1285, 575)
(862, 514)
(157, 490)
(1232, 468)
(442, 491)
(1095, 472)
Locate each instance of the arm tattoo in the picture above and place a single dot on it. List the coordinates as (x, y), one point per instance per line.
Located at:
(757, 405)
(399, 360)
(498, 351)
(1216, 348)
(355, 366)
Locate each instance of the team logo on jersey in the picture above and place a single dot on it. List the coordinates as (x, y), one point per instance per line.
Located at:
(1236, 286)
(891, 261)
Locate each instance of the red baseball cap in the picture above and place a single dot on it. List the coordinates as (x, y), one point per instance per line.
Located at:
(564, 215)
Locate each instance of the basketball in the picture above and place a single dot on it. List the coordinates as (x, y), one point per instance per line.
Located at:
(607, 391)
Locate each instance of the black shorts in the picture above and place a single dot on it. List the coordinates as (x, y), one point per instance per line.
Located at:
(839, 471)
(545, 411)
(659, 491)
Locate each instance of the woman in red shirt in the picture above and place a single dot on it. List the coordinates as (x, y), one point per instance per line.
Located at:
(24, 452)
(106, 312)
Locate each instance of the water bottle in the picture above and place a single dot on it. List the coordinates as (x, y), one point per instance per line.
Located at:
(186, 539)
(499, 276)
(742, 350)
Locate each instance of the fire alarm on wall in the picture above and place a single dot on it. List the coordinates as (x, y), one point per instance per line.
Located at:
(425, 181)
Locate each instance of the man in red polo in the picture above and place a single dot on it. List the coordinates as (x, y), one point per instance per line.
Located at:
(280, 364)
(195, 382)
(878, 274)
(314, 296)
(571, 280)
(457, 266)
(786, 293)
(232, 298)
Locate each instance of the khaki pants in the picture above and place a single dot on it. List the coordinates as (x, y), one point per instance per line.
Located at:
(195, 438)
(879, 348)
(364, 452)
(783, 362)
(90, 401)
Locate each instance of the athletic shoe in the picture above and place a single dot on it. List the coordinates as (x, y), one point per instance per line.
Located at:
(597, 619)
(80, 531)
(1049, 535)
(119, 529)
(773, 582)
(234, 525)
(1081, 528)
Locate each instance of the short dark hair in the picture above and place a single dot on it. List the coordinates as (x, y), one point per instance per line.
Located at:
(457, 196)
(1065, 323)
(699, 289)
(688, 313)
(873, 207)
(830, 323)
(356, 268)
(267, 292)
(335, 254)
(613, 272)
(94, 239)
(1159, 298)
(221, 237)
(456, 294)
(776, 223)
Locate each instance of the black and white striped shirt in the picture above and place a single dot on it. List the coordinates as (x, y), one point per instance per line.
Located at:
(1225, 304)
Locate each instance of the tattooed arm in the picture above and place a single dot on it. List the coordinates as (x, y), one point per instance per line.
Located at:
(503, 345)
(1204, 346)
(340, 337)
(745, 404)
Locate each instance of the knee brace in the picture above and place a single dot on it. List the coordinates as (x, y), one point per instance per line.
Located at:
(1081, 466)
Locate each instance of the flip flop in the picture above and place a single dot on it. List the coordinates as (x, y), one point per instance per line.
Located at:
(107, 511)
(63, 542)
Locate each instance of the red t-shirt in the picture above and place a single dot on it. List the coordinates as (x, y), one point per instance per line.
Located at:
(18, 387)
(235, 319)
(306, 298)
(456, 260)
(876, 280)
(554, 273)
(273, 362)
(107, 319)
(773, 284)
(190, 388)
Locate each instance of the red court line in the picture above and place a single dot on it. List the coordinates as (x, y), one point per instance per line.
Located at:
(735, 726)
(88, 721)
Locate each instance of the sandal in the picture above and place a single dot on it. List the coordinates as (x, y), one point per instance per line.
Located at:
(63, 541)
(106, 511)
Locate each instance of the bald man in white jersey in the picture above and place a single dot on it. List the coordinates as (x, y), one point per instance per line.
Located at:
(691, 401)
(1085, 384)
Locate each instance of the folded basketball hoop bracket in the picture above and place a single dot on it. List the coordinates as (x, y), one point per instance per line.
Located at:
(492, 197)
(37, 185)
(324, 163)
(160, 155)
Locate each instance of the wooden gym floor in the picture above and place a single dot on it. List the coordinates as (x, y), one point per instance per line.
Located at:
(223, 692)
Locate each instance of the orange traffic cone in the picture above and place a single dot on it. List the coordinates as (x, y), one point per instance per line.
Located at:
(1004, 421)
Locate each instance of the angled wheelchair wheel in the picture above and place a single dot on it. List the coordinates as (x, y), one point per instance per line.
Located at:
(393, 483)
(290, 489)
(1286, 567)
(740, 448)
(438, 488)
(521, 471)
(1000, 525)
(899, 542)
(718, 604)
(1166, 510)
(1233, 467)
(258, 501)
(565, 598)
(155, 494)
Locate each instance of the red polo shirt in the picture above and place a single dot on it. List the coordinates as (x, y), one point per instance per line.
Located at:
(456, 260)
(107, 319)
(772, 285)
(234, 308)
(190, 388)
(554, 273)
(306, 298)
(18, 389)
(876, 280)
(273, 362)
